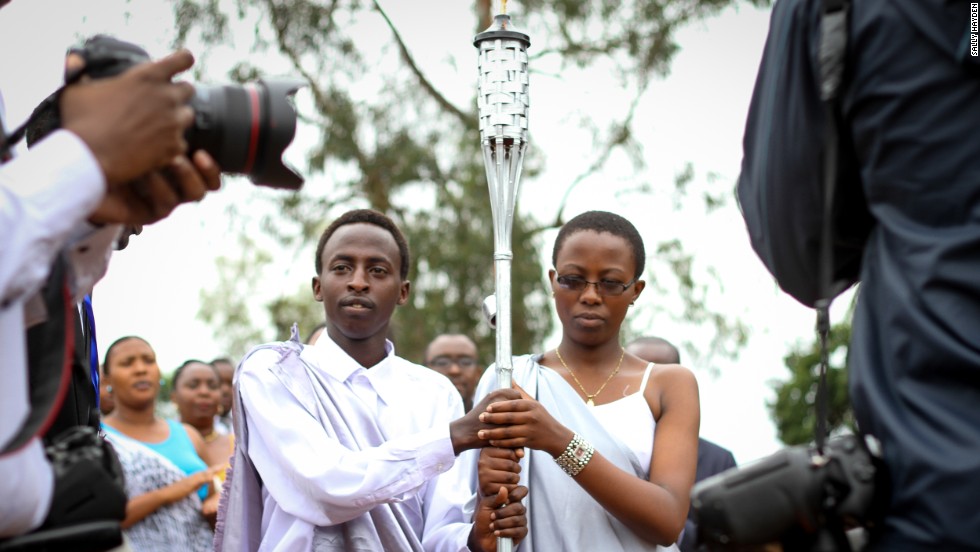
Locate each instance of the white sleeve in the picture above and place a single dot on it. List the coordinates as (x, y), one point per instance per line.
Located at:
(312, 476)
(448, 522)
(44, 194)
(26, 497)
(455, 497)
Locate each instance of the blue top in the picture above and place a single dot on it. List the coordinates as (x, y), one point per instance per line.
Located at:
(178, 448)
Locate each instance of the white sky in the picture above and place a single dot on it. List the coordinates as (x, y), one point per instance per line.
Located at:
(695, 115)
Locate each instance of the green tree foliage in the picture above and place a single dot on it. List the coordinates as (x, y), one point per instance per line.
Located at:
(394, 141)
(794, 410)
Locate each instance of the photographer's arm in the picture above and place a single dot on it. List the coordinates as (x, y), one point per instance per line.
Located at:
(44, 195)
(27, 497)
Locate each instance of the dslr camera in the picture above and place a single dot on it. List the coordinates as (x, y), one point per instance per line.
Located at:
(805, 500)
(244, 128)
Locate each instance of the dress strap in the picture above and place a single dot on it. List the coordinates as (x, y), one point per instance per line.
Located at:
(646, 378)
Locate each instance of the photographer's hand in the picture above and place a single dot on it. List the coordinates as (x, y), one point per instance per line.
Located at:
(133, 123)
(154, 196)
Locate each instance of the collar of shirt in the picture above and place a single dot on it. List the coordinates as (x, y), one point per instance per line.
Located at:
(333, 361)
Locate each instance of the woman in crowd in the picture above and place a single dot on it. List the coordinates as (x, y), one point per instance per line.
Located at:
(171, 503)
(197, 394)
(613, 438)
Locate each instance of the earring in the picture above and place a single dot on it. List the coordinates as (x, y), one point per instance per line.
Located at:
(108, 389)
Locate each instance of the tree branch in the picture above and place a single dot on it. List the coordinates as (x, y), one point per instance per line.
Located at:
(278, 25)
(464, 118)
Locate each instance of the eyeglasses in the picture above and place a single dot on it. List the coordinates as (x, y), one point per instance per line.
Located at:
(606, 288)
(444, 362)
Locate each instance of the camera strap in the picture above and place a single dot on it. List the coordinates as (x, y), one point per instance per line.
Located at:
(8, 141)
(832, 57)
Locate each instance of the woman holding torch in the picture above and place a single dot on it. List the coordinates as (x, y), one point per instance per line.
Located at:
(613, 438)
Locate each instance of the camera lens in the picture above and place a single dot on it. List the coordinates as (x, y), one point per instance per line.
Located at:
(247, 128)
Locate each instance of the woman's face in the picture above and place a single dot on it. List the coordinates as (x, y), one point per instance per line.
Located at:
(197, 393)
(588, 316)
(133, 373)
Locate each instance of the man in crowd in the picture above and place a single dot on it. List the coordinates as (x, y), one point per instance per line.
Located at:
(712, 458)
(226, 371)
(455, 356)
(342, 441)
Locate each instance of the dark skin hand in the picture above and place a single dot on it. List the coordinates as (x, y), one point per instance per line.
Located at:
(518, 421)
(655, 508)
(464, 431)
(134, 125)
(157, 194)
(497, 472)
(499, 515)
(499, 468)
(209, 508)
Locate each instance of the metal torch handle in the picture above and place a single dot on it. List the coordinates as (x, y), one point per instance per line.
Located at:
(505, 367)
(503, 109)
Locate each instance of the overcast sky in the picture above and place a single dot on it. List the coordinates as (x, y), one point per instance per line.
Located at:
(695, 116)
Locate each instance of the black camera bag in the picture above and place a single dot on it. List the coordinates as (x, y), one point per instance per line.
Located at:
(785, 197)
(89, 498)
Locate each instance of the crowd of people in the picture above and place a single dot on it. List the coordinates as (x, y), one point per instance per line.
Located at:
(172, 466)
(175, 467)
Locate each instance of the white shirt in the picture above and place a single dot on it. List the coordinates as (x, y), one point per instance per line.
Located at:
(45, 194)
(310, 480)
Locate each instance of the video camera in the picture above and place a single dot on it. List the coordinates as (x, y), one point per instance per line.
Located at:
(797, 496)
(244, 128)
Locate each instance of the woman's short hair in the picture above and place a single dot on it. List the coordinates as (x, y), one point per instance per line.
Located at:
(610, 223)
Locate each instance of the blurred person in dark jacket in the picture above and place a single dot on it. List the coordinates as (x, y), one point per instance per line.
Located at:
(909, 131)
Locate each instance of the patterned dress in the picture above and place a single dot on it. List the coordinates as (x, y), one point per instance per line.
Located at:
(177, 526)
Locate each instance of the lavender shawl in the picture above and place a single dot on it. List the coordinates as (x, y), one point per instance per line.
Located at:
(384, 527)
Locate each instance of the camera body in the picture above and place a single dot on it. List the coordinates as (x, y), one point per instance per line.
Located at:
(244, 128)
(797, 496)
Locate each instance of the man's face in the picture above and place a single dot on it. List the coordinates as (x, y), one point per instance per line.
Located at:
(360, 285)
(226, 371)
(454, 356)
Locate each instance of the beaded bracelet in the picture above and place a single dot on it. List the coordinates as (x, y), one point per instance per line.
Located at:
(577, 454)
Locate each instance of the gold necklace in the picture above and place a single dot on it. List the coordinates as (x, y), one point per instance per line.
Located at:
(589, 399)
(210, 437)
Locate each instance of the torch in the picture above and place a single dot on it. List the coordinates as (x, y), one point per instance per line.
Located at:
(502, 99)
